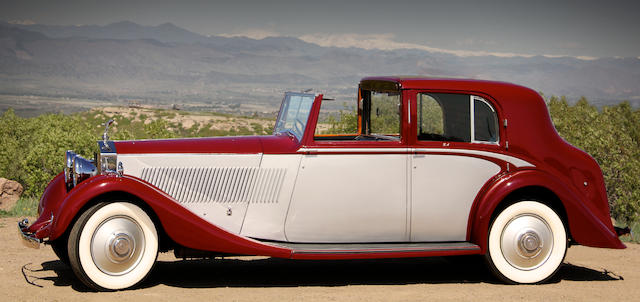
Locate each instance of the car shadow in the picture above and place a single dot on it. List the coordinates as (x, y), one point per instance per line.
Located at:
(273, 272)
(64, 275)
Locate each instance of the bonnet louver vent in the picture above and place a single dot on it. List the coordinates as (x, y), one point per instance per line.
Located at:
(228, 184)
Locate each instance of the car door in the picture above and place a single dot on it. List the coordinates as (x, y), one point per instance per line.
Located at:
(353, 188)
(455, 153)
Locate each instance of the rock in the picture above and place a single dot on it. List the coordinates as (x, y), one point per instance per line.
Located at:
(10, 192)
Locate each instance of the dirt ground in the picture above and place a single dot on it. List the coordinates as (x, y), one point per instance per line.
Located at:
(588, 274)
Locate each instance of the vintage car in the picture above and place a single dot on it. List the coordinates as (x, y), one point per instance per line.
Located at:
(428, 167)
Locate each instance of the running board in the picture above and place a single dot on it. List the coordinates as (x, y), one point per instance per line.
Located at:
(376, 250)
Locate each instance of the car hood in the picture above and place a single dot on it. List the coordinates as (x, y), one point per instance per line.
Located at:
(280, 143)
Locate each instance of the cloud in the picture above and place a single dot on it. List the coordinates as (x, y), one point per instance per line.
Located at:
(383, 42)
(387, 42)
(476, 43)
(255, 33)
(22, 22)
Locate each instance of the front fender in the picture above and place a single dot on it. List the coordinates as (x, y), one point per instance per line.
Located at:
(585, 226)
(181, 225)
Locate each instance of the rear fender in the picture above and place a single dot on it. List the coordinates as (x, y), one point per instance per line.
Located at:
(583, 224)
(181, 225)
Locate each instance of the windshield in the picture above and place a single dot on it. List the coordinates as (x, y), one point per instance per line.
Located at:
(294, 113)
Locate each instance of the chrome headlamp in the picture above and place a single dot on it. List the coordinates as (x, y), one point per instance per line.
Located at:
(83, 169)
(78, 168)
(68, 168)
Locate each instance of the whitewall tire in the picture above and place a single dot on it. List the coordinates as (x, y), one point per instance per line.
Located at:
(527, 243)
(113, 246)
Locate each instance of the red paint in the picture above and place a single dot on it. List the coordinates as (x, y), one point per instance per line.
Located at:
(51, 198)
(584, 224)
(181, 225)
(559, 167)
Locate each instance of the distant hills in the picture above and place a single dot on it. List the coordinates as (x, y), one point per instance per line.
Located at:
(166, 63)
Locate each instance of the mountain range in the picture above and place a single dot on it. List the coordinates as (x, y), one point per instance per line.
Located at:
(169, 64)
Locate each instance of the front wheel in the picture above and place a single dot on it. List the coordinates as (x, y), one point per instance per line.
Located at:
(527, 243)
(59, 247)
(113, 246)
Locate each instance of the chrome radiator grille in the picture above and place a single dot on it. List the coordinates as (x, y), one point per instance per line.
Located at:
(221, 184)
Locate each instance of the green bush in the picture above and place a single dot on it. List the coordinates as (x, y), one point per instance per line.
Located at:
(346, 122)
(33, 149)
(612, 137)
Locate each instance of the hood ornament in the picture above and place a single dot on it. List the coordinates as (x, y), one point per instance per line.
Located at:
(105, 135)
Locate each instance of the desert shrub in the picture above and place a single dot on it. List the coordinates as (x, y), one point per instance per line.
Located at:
(345, 122)
(158, 128)
(612, 137)
(33, 149)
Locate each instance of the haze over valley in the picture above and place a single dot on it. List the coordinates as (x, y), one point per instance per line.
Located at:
(162, 65)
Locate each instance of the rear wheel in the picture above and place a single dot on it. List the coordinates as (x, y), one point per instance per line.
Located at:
(527, 243)
(113, 246)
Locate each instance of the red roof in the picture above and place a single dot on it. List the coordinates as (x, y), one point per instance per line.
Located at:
(417, 82)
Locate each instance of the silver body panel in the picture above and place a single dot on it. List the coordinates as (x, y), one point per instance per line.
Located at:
(385, 195)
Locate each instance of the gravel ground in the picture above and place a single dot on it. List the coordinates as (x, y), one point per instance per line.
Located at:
(588, 274)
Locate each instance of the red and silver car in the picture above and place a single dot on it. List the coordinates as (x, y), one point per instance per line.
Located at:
(428, 167)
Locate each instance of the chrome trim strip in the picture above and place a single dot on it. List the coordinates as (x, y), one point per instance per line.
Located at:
(378, 248)
(508, 158)
(473, 121)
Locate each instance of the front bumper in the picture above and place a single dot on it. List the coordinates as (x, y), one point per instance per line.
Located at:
(28, 238)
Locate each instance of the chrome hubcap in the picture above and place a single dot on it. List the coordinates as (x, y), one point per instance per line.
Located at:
(526, 242)
(529, 244)
(117, 245)
(121, 247)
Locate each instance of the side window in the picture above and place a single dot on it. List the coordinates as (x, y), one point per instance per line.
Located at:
(385, 113)
(444, 117)
(377, 117)
(485, 122)
(448, 117)
(336, 122)
(430, 118)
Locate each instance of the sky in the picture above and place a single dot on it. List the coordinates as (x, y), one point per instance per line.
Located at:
(583, 29)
